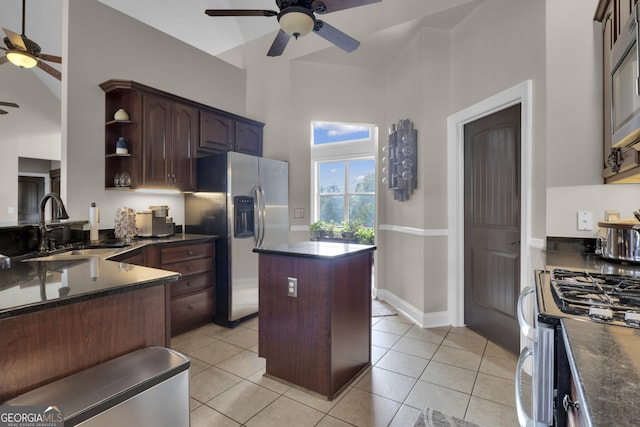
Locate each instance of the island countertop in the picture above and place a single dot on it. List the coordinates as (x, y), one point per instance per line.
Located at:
(314, 249)
(34, 285)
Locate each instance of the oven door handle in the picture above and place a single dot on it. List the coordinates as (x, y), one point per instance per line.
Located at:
(525, 327)
(523, 418)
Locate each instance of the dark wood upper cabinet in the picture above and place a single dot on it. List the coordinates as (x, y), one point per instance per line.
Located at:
(164, 134)
(248, 138)
(620, 165)
(217, 132)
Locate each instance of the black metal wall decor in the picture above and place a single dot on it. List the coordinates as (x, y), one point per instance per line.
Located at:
(399, 161)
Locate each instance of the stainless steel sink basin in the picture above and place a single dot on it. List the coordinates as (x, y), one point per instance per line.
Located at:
(74, 254)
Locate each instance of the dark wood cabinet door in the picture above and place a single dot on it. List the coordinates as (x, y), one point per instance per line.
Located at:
(156, 125)
(248, 139)
(183, 147)
(217, 132)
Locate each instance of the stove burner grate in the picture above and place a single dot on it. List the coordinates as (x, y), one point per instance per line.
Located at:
(601, 297)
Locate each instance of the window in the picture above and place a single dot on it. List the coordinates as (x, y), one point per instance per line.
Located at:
(344, 172)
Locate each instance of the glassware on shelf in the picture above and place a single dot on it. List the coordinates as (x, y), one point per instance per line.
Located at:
(116, 180)
(125, 180)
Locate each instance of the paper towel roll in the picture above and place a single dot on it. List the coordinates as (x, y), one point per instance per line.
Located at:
(94, 219)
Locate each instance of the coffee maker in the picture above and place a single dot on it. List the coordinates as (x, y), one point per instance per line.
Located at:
(155, 222)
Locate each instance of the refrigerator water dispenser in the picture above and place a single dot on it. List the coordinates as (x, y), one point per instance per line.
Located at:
(243, 217)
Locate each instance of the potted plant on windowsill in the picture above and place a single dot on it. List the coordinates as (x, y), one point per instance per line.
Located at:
(350, 228)
(319, 229)
(365, 235)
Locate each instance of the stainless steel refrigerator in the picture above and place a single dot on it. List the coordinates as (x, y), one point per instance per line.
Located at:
(244, 200)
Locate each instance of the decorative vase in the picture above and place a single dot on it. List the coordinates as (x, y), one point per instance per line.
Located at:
(121, 115)
(121, 146)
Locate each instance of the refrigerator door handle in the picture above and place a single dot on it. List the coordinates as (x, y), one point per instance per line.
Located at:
(256, 220)
(263, 212)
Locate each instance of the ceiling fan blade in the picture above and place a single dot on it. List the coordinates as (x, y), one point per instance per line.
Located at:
(9, 104)
(335, 36)
(240, 12)
(3, 112)
(326, 6)
(15, 39)
(278, 45)
(50, 58)
(49, 69)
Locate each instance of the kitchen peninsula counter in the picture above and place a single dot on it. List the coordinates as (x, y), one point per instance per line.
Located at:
(315, 313)
(31, 285)
(65, 313)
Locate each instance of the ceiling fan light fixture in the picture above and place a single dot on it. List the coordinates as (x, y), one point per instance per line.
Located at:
(297, 21)
(22, 59)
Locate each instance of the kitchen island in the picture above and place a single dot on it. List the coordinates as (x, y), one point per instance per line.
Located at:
(315, 313)
(64, 313)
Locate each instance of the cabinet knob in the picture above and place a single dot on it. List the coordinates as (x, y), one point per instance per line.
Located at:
(190, 307)
(189, 252)
(188, 283)
(189, 268)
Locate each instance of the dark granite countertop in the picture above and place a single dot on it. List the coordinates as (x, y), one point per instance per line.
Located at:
(33, 285)
(605, 363)
(579, 254)
(313, 249)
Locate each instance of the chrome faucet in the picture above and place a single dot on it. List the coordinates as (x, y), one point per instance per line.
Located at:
(61, 213)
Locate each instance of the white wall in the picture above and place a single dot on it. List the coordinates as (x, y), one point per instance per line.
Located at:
(104, 44)
(33, 130)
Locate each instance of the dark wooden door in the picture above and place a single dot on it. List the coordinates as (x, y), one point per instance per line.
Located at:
(183, 146)
(492, 226)
(156, 136)
(30, 192)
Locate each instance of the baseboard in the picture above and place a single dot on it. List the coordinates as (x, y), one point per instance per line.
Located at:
(424, 320)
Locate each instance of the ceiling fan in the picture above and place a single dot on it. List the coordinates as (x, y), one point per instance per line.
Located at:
(7, 104)
(297, 18)
(24, 52)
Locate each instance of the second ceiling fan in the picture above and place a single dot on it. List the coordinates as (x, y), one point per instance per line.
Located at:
(297, 18)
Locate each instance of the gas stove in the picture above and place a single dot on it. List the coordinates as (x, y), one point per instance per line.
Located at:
(606, 298)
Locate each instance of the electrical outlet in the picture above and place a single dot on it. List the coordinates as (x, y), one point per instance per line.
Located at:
(292, 287)
(585, 220)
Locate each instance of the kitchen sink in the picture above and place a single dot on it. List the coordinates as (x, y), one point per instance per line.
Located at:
(74, 254)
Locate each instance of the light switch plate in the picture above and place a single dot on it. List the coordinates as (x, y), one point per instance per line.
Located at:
(585, 220)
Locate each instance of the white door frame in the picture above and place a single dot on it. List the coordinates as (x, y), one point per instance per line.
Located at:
(522, 94)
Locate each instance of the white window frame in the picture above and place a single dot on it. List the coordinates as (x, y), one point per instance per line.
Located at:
(341, 152)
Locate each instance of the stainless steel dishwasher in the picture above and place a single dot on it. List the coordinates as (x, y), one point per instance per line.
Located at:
(147, 387)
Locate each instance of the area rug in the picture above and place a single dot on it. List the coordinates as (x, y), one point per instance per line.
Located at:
(381, 309)
(432, 418)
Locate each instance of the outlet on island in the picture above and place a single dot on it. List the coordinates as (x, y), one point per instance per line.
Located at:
(292, 287)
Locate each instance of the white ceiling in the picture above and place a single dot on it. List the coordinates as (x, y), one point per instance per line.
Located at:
(382, 28)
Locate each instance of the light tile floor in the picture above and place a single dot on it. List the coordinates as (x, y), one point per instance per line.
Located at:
(453, 370)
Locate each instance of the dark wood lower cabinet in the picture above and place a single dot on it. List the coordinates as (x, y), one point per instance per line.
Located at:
(321, 338)
(41, 347)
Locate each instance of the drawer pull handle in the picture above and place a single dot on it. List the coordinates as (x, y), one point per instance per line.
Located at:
(190, 307)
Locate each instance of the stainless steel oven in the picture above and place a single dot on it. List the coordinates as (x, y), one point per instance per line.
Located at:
(607, 293)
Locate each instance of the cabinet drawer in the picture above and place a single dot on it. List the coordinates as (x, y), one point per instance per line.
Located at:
(185, 252)
(191, 284)
(189, 268)
(190, 310)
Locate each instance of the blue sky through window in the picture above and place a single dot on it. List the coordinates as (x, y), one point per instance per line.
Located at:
(325, 133)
